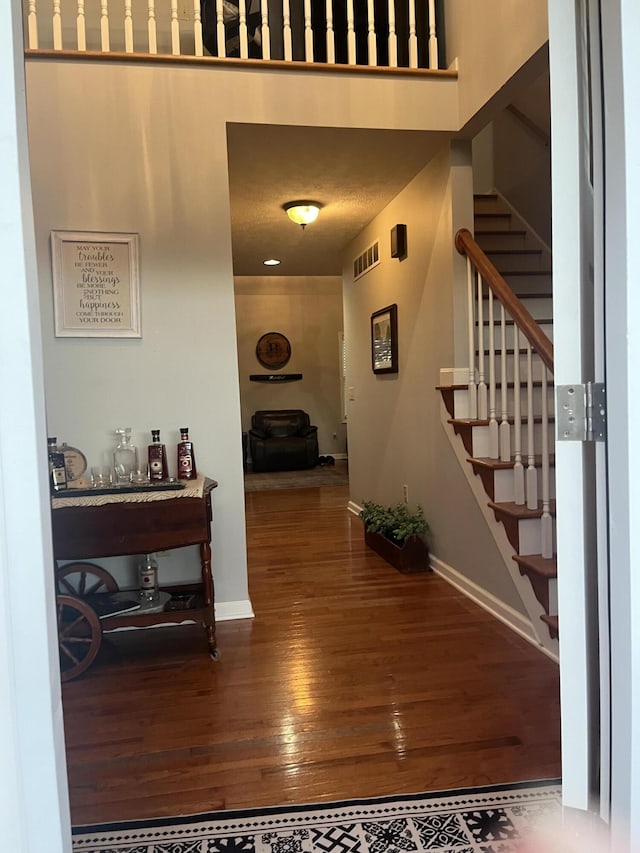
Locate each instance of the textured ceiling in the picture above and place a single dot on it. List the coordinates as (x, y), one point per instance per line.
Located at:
(352, 173)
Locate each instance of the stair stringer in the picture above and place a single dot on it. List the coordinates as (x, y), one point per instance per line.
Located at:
(532, 606)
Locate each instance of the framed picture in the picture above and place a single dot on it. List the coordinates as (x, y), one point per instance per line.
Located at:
(96, 285)
(384, 340)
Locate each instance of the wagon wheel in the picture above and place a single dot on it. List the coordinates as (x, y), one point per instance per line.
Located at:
(84, 579)
(79, 635)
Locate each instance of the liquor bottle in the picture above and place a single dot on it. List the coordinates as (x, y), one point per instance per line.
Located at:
(125, 456)
(157, 454)
(149, 590)
(57, 468)
(186, 457)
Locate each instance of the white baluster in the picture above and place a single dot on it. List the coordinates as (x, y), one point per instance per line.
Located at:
(433, 40)
(32, 20)
(494, 440)
(393, 38)
(518, 467)
(546, 522)
(505, 429)
(482, 385)
(286, 29)
(198, 47)
(351, 34)
(81, 29)
(413, 38)
(265, 33)
(175, 29)
(372, 50)
(57, 26)
(221, 36)
(104, 26)
(128, 27)
(331, 38)
(244, 40)
(532, 478)
(473, 394)
(308, 32)
(151, 27)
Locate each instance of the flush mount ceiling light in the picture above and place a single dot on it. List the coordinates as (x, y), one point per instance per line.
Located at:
(271, 262)
(302, 212)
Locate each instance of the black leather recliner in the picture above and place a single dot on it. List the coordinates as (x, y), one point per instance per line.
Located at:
(283, 440)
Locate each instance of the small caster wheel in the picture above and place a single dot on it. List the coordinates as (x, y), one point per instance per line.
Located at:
(215, 655)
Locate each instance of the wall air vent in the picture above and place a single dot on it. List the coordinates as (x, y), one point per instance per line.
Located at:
(368, 259)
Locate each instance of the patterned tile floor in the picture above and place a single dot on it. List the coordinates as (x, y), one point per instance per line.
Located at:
(478, 820)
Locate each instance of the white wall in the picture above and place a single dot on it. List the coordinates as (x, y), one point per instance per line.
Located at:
(394, 428)
(308, 311)
(492, 41)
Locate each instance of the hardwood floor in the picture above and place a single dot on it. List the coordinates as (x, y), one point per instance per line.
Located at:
(352, 681)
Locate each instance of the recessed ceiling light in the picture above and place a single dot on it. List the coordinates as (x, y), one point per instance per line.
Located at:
(271, 262)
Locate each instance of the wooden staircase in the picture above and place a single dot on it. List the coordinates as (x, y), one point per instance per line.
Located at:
(525, 264)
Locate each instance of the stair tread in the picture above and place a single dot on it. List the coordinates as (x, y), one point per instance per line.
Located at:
(539, 294)
(480, 196)
(504, 273)
(503, 232)
(536, 384)
(490, 215)
(485, 421)
(513, 251)
(552, 622)
(547, 567)
(521, 512)
(499, 465)
(509, 351)
(496, 323)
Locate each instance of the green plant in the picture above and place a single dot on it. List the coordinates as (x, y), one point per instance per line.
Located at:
(394, 522)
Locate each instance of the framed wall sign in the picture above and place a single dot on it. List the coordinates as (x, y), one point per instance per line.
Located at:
(384, 340)
(273, 350)
(96, 284)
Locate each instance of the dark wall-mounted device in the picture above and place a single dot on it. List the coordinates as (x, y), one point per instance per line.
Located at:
(399, 241)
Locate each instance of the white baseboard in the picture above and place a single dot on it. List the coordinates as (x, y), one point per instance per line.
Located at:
(228, 610)
(506, 614)
(354, 508)
(335, 455)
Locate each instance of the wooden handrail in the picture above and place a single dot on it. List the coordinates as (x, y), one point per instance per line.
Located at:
(467, 246)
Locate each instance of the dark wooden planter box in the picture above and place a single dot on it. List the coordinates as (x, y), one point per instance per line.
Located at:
(412, 557)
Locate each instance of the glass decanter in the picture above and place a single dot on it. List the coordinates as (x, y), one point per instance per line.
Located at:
(125, 456)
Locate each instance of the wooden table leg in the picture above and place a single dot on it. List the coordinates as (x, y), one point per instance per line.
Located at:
(207, 583)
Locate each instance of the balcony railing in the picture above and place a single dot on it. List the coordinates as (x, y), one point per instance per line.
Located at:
(374, 33)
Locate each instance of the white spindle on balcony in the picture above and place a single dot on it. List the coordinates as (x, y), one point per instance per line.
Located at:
(308, 32)
(175, 29)
(81, 29)
(393, 38)
(372, 49)
(286, 24)
(351, 34)
(413, 36)
(505, 429)
(532, 477)
(198, 47)
(482, 385)
(151, 27)
(128, 27)
(244, 38)
(57, 26)
(546, 520)
(433, 41)
(104, 26)
(494, 433)
(32, 25)
(518, 467)
(471, 382)
(220, 30)
(265, 33)
(331, 38)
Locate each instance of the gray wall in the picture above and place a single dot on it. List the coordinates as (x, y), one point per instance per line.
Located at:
(308, 311)
(394, 429)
